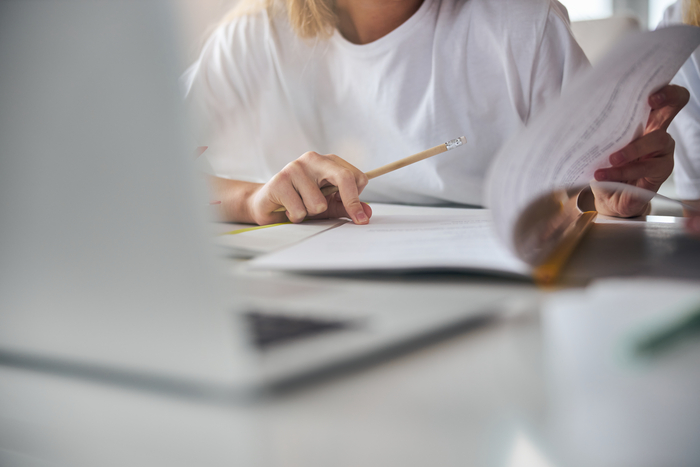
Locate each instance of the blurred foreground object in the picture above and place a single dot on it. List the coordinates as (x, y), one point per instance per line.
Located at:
(103, 240)
(103, 268)
(612, 405)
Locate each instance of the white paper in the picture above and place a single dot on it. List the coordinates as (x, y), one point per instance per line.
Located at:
(268, 239)
(599, 114)
(461, 240)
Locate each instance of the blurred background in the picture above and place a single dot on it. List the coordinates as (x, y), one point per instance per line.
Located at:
(200, 16)
(649, 12)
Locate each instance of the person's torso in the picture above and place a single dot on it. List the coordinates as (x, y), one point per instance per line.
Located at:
(455, 68)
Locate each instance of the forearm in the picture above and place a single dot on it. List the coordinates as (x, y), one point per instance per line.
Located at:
(296, 188)
(235, 197)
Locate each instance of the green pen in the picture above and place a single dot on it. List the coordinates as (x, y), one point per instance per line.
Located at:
(686, 327)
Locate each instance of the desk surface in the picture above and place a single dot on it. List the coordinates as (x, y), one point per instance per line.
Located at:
(634, 248)
(485, 397)
(440, 406)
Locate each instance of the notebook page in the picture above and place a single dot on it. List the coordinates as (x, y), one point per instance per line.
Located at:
(246, 241)
(600, 113)
(463, 240)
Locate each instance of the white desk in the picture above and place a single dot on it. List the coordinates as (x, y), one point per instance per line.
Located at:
(445, 405)
(483, 397)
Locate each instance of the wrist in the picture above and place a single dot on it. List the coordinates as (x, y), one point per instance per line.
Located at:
(237, 198)
(247, 203)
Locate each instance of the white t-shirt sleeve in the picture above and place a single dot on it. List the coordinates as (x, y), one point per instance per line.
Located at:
(685, 128)
(559, 58)
(218, 90)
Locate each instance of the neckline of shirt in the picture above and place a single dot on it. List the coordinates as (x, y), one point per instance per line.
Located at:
(388, 41)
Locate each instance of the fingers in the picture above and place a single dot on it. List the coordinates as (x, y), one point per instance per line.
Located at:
(646, 162)
(337, 209)
(665, 105)
(349, 180)
(368, 209)
(282, 191)
(344, 179)
(360, 177)
(313, 200)
(656, 143)
(654, 171)
(297, 188)
(619, 203)
(649, 159)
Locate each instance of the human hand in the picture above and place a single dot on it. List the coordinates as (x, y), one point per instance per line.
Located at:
(692, 224)
(647, 161)
(298, 185)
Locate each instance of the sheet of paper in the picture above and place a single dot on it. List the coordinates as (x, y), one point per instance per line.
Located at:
(250, 240)
(258, 241)
(598, 114)
(461, 240)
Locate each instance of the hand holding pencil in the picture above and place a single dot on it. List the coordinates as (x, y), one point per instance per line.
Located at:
(306, 187)
(385, 169)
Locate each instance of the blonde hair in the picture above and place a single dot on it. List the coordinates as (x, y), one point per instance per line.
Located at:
(691, 12)
(309, 18)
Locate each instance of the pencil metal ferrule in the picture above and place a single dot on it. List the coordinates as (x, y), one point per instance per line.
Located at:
(453, 143)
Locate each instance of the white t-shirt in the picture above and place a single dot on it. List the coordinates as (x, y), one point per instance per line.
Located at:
(474, 68)
(685, 128)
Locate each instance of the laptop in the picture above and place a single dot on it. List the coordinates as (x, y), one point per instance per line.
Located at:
(107, 270)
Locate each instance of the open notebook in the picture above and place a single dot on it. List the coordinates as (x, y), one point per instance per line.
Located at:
(532, 186)
(450, 239)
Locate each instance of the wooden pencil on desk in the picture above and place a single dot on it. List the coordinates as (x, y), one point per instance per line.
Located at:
(385, 169)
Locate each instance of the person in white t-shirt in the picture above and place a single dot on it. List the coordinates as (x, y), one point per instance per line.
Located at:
(686, 126)
(286, 86)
